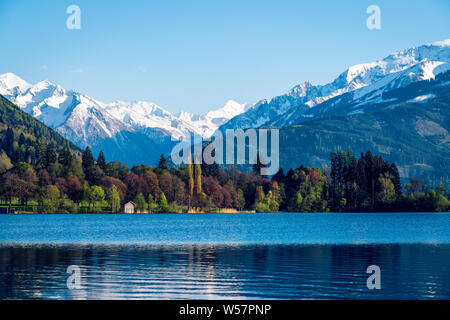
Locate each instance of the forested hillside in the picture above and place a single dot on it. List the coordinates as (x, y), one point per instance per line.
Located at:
(25, 139)
(414, 135)
(42, 172)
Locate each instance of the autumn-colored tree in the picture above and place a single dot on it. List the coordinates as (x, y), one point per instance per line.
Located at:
(179, 192)
(11, 186)
(108, 182)
(134, 185)
(165, 183)
(43, 177)
(74, 189)
(152, 183)
(31, 185)
(213, 190)
(61, 183)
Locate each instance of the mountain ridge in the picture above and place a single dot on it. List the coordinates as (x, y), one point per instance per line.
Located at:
(359, 78)
(138, 131)
(116, 126)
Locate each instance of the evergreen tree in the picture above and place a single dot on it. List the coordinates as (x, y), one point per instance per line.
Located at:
(42, 149)
(279, 176)
(94, 174)
(370, 176)
(22, 139)
(9, 142)
(162, 164)
(18, 156)
(256, 169)
(65, 157)
(87, 159)
(101, 161)
(50, 156)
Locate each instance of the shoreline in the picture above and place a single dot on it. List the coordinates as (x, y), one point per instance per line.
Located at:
(196, 213)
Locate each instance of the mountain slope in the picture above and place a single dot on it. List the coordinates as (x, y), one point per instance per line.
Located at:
(29, 135)
(11, 115)
(414, 135)
(133, 132)
(360, 84)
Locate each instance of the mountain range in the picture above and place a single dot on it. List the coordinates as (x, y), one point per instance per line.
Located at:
(359, 87)
(371, 99)
(131, 131)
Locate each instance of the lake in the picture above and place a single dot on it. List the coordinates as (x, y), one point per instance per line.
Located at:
(225, 256)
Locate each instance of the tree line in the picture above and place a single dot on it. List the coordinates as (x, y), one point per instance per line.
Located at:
(42, 171)
(66, 182)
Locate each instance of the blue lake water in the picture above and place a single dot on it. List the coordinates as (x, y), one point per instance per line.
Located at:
(229, 256)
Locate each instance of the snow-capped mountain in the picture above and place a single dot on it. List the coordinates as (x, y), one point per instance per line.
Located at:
(125, 130)
(359, 85)
(115, 126)
(77, 117)
(59, 108)
(141, 115)
(206, 125)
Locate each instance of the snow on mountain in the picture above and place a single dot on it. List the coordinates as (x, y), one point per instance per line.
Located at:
(117, 125)
(141, 114)
(79, 118)
(206, 125)
(11, 85)
(368, 81)
(230, 110)
(114, 127)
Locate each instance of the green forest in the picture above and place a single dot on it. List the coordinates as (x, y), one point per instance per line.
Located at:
(40, 171)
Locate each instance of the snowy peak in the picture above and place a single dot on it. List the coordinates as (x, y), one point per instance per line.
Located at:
(79, 118)
(365, 74)
(10, 84)
(396, 70)
(230, 110)
(143, 114)
(84, 120)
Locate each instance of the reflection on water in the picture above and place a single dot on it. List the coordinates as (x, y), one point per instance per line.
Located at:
(222, 271)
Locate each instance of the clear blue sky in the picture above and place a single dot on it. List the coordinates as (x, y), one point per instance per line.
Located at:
(195, 55)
